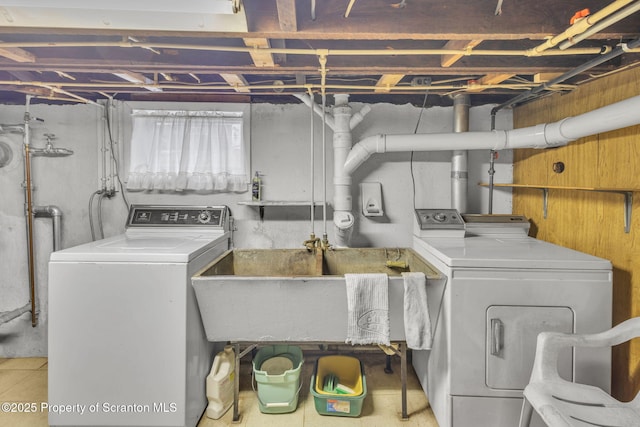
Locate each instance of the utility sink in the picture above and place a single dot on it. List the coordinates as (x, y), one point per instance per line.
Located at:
(300, 295)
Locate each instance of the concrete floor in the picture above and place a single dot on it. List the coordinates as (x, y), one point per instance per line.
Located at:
(23, 381)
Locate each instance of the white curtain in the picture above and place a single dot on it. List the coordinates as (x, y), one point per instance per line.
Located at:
(187, 150)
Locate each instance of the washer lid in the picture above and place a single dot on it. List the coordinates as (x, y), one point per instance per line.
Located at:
(521, 253)
(170, 247)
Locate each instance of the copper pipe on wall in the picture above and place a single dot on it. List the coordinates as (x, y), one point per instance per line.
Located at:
(29, 218)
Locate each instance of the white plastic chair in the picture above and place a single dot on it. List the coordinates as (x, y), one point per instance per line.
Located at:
(562, 403)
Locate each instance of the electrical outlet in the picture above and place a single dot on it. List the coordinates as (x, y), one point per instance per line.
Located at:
(421, 81)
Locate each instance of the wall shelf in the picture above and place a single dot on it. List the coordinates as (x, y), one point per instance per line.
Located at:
(626, 192)
(261, 204)
(278, 203)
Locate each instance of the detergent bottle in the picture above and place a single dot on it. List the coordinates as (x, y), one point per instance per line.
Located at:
(256, 187)
(220, 383)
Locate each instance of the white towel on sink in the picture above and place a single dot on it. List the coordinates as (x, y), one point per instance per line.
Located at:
(417, 325)
(368, 308)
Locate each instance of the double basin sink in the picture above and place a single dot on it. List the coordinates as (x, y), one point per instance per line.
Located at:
(300, 295)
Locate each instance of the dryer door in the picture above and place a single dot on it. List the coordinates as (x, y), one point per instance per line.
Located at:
(512, 333)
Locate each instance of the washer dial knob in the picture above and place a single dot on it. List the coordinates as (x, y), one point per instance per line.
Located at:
(204, 217)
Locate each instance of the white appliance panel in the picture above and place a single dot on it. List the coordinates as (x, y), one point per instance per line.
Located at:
(489, 274)
(151, 247)
(126, 343)
(512, 332)
(508, 252)
(106, 350)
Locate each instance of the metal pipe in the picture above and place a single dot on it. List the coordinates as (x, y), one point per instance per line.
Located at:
(324, 167)
(55, 214)
(312, 52)
(622, 48)
(609, 20)
(580, 26)
(459, 158)
(8, 316)
(492, 172)
(29, 219)
(312, 166)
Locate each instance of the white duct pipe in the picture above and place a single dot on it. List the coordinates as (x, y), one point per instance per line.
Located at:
(342, 122)
(615, 116)
(343, 219)
(459, 158)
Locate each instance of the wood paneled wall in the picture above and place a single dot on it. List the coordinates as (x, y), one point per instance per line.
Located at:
(586, 221)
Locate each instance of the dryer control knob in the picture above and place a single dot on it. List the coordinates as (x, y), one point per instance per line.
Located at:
(204, 217)
(440, 217)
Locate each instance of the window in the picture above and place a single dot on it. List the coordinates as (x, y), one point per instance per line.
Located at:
(187, 150)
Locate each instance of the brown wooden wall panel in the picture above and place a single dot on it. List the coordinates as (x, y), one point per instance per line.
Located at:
(586, 221)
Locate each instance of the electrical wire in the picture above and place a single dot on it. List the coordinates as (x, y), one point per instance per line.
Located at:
(113, 156)
(415, 131)
(101, 194)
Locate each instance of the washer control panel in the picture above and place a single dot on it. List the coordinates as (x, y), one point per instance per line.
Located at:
(449, 219)
(177, 216)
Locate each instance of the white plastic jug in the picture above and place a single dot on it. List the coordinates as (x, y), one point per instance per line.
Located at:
(220, 383)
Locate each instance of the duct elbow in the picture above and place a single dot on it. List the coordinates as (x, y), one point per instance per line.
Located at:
(359, 116)
(362, 151)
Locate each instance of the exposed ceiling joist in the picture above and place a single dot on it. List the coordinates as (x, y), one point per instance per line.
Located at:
(260, 57)
(238, 82)
(17, 54)
(492, 79)
(448, 60)
(544, 77)
(288, 47)
(387, 81)
(287, 15)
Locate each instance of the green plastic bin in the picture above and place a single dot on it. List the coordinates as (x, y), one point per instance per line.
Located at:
(338, 404)
(277, 389)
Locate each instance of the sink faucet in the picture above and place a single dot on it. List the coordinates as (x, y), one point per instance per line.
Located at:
(312, 242)
(325, 243)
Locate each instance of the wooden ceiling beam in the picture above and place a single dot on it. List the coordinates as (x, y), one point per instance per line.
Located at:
(491, 79)
(260, 58)
(387, 81)
(238, 82)
(423, 20)
(544, 77)
(447, 61)
(17, 54)
(287, 15)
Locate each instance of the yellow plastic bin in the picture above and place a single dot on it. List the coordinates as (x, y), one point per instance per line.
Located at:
(338, 386)
(276, 370)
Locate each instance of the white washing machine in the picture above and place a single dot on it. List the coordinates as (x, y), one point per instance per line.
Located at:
(126, 343)
(504, 288)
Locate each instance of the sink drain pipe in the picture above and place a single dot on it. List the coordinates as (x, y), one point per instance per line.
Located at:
(614, 116)
(341, 123)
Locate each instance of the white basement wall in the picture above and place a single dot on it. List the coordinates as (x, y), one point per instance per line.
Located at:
(279, 136)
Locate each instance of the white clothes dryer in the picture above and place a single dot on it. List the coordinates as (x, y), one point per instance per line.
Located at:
(503, 288)
(126, 342)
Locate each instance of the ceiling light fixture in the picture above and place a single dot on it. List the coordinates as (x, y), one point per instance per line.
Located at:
(166, 15)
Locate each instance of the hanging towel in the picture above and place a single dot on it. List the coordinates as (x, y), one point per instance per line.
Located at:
(368, 308)
(417, 325)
